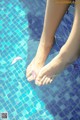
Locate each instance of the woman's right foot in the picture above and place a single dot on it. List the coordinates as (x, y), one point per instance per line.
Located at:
(39, 60)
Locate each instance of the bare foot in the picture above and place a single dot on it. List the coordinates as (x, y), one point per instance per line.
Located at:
(40, 58)
(49, 71)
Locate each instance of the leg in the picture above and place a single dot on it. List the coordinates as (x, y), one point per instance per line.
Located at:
(53, 15)
(68, 53)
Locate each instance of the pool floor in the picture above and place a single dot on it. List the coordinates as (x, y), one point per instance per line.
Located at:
(21, 23)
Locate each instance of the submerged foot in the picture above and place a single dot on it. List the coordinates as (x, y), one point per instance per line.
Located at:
(39, 60)
(49, 71)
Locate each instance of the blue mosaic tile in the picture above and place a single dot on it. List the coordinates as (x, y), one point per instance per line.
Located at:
(20, 31)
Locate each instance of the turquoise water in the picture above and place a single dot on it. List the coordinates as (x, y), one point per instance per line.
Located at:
(21, 23)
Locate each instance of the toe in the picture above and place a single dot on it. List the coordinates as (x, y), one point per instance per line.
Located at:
(44, 82)
(30, 78)
(40, 81)
(40, 76)
(47, 81)
(37, 82)
(43, 78)
(51, 79)
(28, 74)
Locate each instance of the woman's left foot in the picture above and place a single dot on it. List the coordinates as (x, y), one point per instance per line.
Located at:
(49, 71)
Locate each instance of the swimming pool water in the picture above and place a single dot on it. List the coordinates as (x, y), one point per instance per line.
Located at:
(21, 23)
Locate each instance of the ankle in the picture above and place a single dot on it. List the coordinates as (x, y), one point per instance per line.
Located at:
(47, 39)
(66, 58)
(46, 46)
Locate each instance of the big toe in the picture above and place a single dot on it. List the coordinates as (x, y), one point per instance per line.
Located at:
(40, 80)
(40, 76)
(30, 78)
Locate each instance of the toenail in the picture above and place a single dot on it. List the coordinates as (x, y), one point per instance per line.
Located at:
(36, 82)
